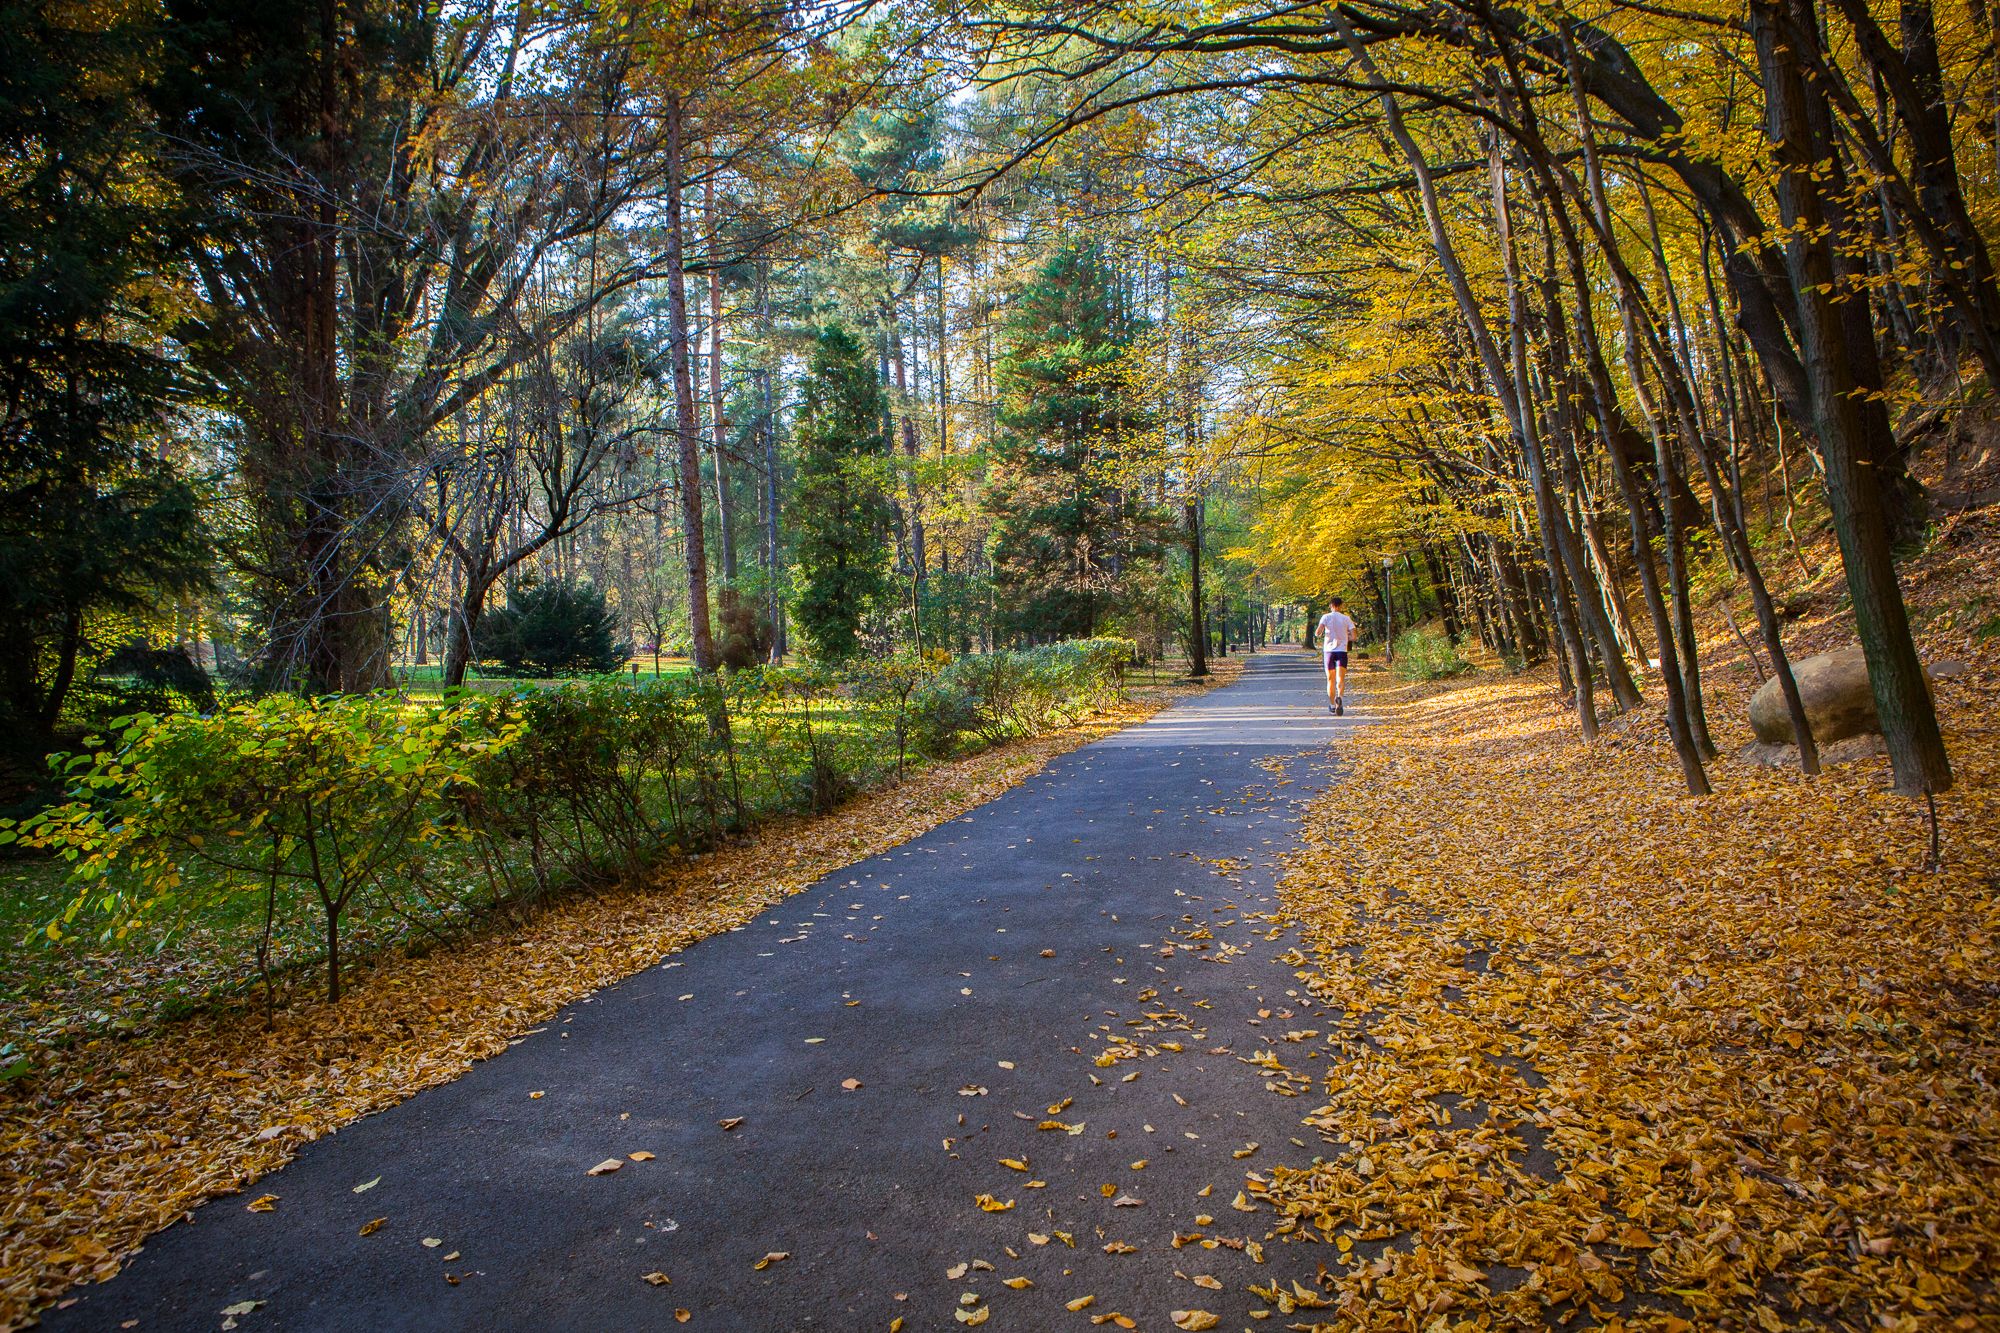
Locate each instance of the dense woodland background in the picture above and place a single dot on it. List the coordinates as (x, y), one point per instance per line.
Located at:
(754, 403)
(360, 343)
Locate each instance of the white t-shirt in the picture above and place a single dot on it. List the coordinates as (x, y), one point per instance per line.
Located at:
(1336, 632)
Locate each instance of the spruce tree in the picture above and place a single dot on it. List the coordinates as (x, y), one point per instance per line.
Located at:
(841, 516)
(1070, 541)
(558, 628)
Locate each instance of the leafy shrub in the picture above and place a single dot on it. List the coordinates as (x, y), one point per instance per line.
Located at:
(941, 716)
(302, 805)
(1425, 653)
(892, 687)
(555, 628)
(298, 814)
(1021, 692)
(992, 685)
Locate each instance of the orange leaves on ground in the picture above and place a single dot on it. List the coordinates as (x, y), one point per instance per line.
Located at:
(1604, 1041)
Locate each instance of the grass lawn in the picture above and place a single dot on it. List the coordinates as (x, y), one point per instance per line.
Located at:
(427, 679)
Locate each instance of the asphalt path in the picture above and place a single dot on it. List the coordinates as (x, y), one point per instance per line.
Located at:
(1092, 949)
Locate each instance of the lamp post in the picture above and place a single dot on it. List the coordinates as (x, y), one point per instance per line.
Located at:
(1388, 611)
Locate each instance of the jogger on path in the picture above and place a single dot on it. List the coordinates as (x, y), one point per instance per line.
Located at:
(1336, 633)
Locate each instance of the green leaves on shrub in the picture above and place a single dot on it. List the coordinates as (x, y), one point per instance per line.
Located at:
(301, 815)
(291, 801)
(1428, 654)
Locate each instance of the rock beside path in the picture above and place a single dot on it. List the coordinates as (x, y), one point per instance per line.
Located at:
(1839, 704)
(1838, 701)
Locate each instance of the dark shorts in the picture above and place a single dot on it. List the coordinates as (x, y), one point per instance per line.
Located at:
(1336, 658)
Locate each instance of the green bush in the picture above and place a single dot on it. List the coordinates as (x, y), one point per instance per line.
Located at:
(297, 815)
(892, 688)
(941, 716)
(300, 806)
(1425, 653)
(556, 628)
(1024, 691)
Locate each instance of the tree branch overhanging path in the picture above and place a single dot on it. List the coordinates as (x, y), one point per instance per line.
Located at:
(495, 500)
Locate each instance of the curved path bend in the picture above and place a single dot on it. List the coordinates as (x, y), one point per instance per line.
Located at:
(1090, 948)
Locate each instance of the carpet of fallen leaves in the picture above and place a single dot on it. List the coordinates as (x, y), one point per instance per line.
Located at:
(1665, 1063)
(114, 1139)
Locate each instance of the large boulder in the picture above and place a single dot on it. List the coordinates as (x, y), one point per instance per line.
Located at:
(1839, 703)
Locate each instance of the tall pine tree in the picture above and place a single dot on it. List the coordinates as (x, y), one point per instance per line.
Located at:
(1070, 543)
(841, 516)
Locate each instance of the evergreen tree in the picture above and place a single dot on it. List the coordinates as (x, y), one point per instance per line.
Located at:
(93, 524)
(841, 515)
(1070, 542)
(558, 628)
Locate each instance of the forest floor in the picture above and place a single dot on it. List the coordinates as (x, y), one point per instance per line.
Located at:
(115, 1137)
(1693, 1063)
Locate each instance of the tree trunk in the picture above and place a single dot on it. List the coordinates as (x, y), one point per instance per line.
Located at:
(768, 428)
(1611, 430)
(1197, 631)
(464, 628)
(1672, 529)
(913, 501)
(686, 420)
(1902, 697)
(725, 507)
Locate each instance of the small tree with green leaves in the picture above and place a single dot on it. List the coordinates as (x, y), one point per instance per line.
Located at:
(296, 802)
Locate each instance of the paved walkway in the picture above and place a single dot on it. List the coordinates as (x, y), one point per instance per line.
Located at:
(880, 1042)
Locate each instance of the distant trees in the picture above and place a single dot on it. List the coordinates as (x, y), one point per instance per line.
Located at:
(1070, 540)
(841, 515)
